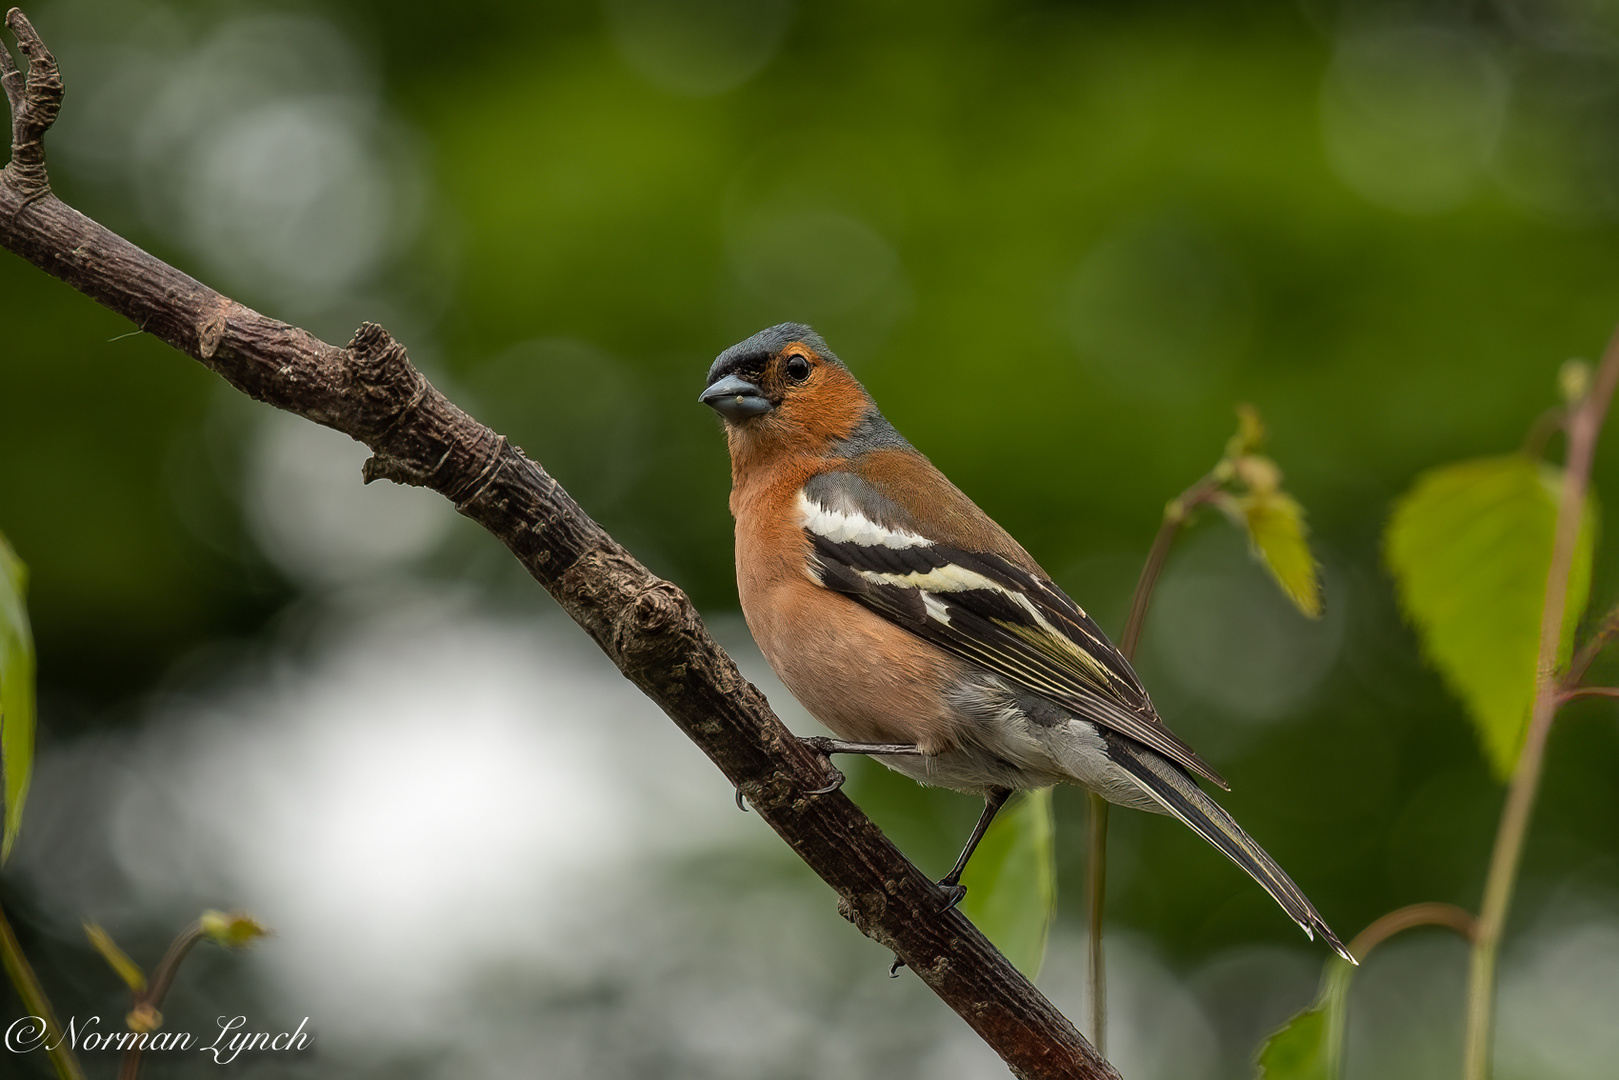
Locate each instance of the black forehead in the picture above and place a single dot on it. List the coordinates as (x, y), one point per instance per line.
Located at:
(751, 356)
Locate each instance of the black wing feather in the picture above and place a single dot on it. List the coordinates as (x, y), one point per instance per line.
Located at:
(989, 626)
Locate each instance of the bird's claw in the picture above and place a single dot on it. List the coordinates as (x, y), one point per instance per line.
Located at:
(953, 894)
(822, 747)
(837, 781)
(893, 969)
(740, 805)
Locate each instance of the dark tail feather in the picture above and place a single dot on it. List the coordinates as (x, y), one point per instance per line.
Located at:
(1180, 796)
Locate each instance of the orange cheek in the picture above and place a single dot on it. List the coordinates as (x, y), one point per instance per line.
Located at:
(827, 408)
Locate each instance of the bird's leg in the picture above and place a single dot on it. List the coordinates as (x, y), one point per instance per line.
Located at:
(951, 882)
(827, 747)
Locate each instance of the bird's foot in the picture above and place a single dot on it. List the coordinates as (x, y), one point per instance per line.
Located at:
(893, 969)
(740, 805)
(824, 748)
(953, 892)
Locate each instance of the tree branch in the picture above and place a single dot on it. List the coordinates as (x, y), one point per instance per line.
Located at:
(372, 392)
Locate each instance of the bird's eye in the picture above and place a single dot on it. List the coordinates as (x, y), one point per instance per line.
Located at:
(798, 368)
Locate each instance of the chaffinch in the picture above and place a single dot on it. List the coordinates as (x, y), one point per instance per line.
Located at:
(918, 630)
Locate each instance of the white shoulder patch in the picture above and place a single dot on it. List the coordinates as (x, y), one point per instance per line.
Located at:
(851, 526)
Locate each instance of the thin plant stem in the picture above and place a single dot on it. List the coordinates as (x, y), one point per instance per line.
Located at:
(1588, 652)
(1407, 918)
(1096, 892)
(37, 1004)
(151, 999)
(1175, 516)
(1157, 555)
(1588, 691)
(1584, 425)
(1547, 424)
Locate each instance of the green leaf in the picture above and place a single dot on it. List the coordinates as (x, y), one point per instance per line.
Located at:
(1275, 524)
(16, 694)
(1012, 883)
(1250, 433)
(233, 929)
(1311, 1045)
(127, 969)
(1470, 546)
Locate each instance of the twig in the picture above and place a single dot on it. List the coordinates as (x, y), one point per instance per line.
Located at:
(647, 626)
(1584, 425)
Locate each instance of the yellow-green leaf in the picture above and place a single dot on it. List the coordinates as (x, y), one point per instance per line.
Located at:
(1311, 1045)
(1573, 380)
(126, 968)
(1012, 883)
(1257, 472)
(1250, 432)
(1276, 532)
(234, 929)
(1470, 546)
(16, 695)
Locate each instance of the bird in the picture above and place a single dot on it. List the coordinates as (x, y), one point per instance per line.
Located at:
(918, 631)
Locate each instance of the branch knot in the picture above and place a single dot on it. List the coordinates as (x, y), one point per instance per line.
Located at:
(35, 99)
(388, 382)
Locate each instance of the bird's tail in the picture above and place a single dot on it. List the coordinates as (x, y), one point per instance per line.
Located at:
(1180, 796)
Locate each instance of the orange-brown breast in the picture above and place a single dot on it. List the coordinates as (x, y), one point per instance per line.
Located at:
(862, 676)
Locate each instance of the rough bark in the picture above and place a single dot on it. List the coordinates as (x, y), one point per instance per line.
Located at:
(371, 391)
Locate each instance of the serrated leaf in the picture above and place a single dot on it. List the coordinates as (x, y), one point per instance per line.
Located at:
(127, 969)
(1012, 882)
(1275, 524)
(1311, 1045)
(1470, 546)
(16, 695)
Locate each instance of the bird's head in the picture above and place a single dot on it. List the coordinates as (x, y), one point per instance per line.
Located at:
(784, 390)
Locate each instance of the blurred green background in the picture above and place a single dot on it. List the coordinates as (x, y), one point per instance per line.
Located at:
(1057, 241)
